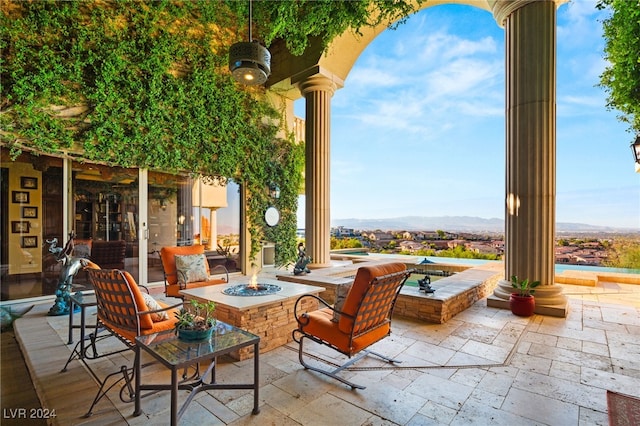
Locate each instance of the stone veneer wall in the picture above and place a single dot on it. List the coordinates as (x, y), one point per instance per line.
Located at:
(273, 323)
(453, 295)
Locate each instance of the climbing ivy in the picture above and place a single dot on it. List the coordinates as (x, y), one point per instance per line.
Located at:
(295, 22)
(145, 84)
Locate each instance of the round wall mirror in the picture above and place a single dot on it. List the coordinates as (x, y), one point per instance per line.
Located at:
(272, 216)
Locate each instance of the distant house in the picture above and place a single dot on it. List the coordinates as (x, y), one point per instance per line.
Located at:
(380, 236)
(482, 248)
(411, 246)
(455, 243)
(342, 232)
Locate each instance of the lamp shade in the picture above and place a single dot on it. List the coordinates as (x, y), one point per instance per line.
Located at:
(249, 63)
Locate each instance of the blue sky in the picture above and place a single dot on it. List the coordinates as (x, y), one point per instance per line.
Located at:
(418, 129)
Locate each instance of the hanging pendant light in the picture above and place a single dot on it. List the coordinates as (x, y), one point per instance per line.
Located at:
(249, 61)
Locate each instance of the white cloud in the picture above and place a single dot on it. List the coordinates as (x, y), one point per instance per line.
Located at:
(371, 78)
(448, 76)
(581, 26)
(463, 77)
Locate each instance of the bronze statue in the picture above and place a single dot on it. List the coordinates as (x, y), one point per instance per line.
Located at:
(70, 267)
(303, 260)
(425, 284)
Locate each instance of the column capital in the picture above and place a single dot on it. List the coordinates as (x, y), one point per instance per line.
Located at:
(317, 79)
(503, 8)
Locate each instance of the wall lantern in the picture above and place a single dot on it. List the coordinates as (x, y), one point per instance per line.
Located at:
(635, 147)
(274, 191)
(249, 61)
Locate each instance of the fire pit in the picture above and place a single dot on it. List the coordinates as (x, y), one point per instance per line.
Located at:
(252, 289)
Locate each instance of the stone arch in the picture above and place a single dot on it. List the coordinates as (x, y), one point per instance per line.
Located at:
(530, 135)
(341, 55)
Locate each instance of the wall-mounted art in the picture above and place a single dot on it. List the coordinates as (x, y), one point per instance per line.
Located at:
(20, 227)
(29, 242)
(29, 212)
(21, 197)
(28, 182)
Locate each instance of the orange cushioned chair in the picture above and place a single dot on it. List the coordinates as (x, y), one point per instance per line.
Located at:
(126, 313)
(357, 322)
(176, 280)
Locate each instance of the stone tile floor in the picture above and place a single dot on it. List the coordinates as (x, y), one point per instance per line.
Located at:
(484, 366)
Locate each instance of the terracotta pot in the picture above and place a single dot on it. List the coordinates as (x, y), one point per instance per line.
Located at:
(522, 306)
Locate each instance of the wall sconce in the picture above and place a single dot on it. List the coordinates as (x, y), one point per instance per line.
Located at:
(635, 147)
(163, 204)
(181, 219)
(513, 204)
(274, 191)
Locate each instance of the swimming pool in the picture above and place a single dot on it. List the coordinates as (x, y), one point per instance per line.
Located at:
(559, 268)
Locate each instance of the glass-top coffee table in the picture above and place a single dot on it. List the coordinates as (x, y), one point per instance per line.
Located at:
(177, 354)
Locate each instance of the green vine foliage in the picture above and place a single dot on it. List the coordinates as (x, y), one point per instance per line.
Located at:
(139, 84)
(295, 22)
(145, 84)
(621, 78)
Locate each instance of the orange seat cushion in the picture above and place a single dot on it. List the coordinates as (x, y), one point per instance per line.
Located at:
(173, 290)
(156, 327)
(321, 325)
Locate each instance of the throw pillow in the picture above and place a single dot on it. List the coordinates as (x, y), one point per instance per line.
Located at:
(191, 268)
(342, 291)
(153, 305)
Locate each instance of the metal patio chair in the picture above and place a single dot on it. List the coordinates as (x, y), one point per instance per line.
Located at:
(123, 313)
(363, 319)
(174, 281)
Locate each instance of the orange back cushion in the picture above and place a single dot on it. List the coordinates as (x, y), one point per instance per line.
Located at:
(167, 255)
(364, 276)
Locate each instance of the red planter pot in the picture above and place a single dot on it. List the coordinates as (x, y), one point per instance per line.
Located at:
(522, 306)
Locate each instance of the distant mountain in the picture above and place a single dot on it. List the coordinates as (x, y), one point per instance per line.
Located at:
(457, 224)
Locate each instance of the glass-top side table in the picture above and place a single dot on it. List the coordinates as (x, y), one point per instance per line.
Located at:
(176, 354)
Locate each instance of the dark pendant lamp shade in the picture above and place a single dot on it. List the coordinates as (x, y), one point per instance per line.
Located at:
(249, 63)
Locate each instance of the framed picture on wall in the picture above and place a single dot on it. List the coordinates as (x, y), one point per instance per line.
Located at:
(29, 242)
(21, 197)
(30, 212)
(20, 227)
(28, 182)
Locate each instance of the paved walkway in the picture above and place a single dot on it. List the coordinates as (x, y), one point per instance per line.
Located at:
(484, 366)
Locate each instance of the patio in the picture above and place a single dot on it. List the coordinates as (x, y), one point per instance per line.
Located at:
(483, 365)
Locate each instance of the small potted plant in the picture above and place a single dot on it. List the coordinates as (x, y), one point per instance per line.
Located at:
(522, 302)
(195, 321)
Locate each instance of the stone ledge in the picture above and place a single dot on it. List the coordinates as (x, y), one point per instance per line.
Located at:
(453, 294)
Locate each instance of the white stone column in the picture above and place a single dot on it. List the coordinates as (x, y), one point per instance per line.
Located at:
(530, 31)
(317, 90)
